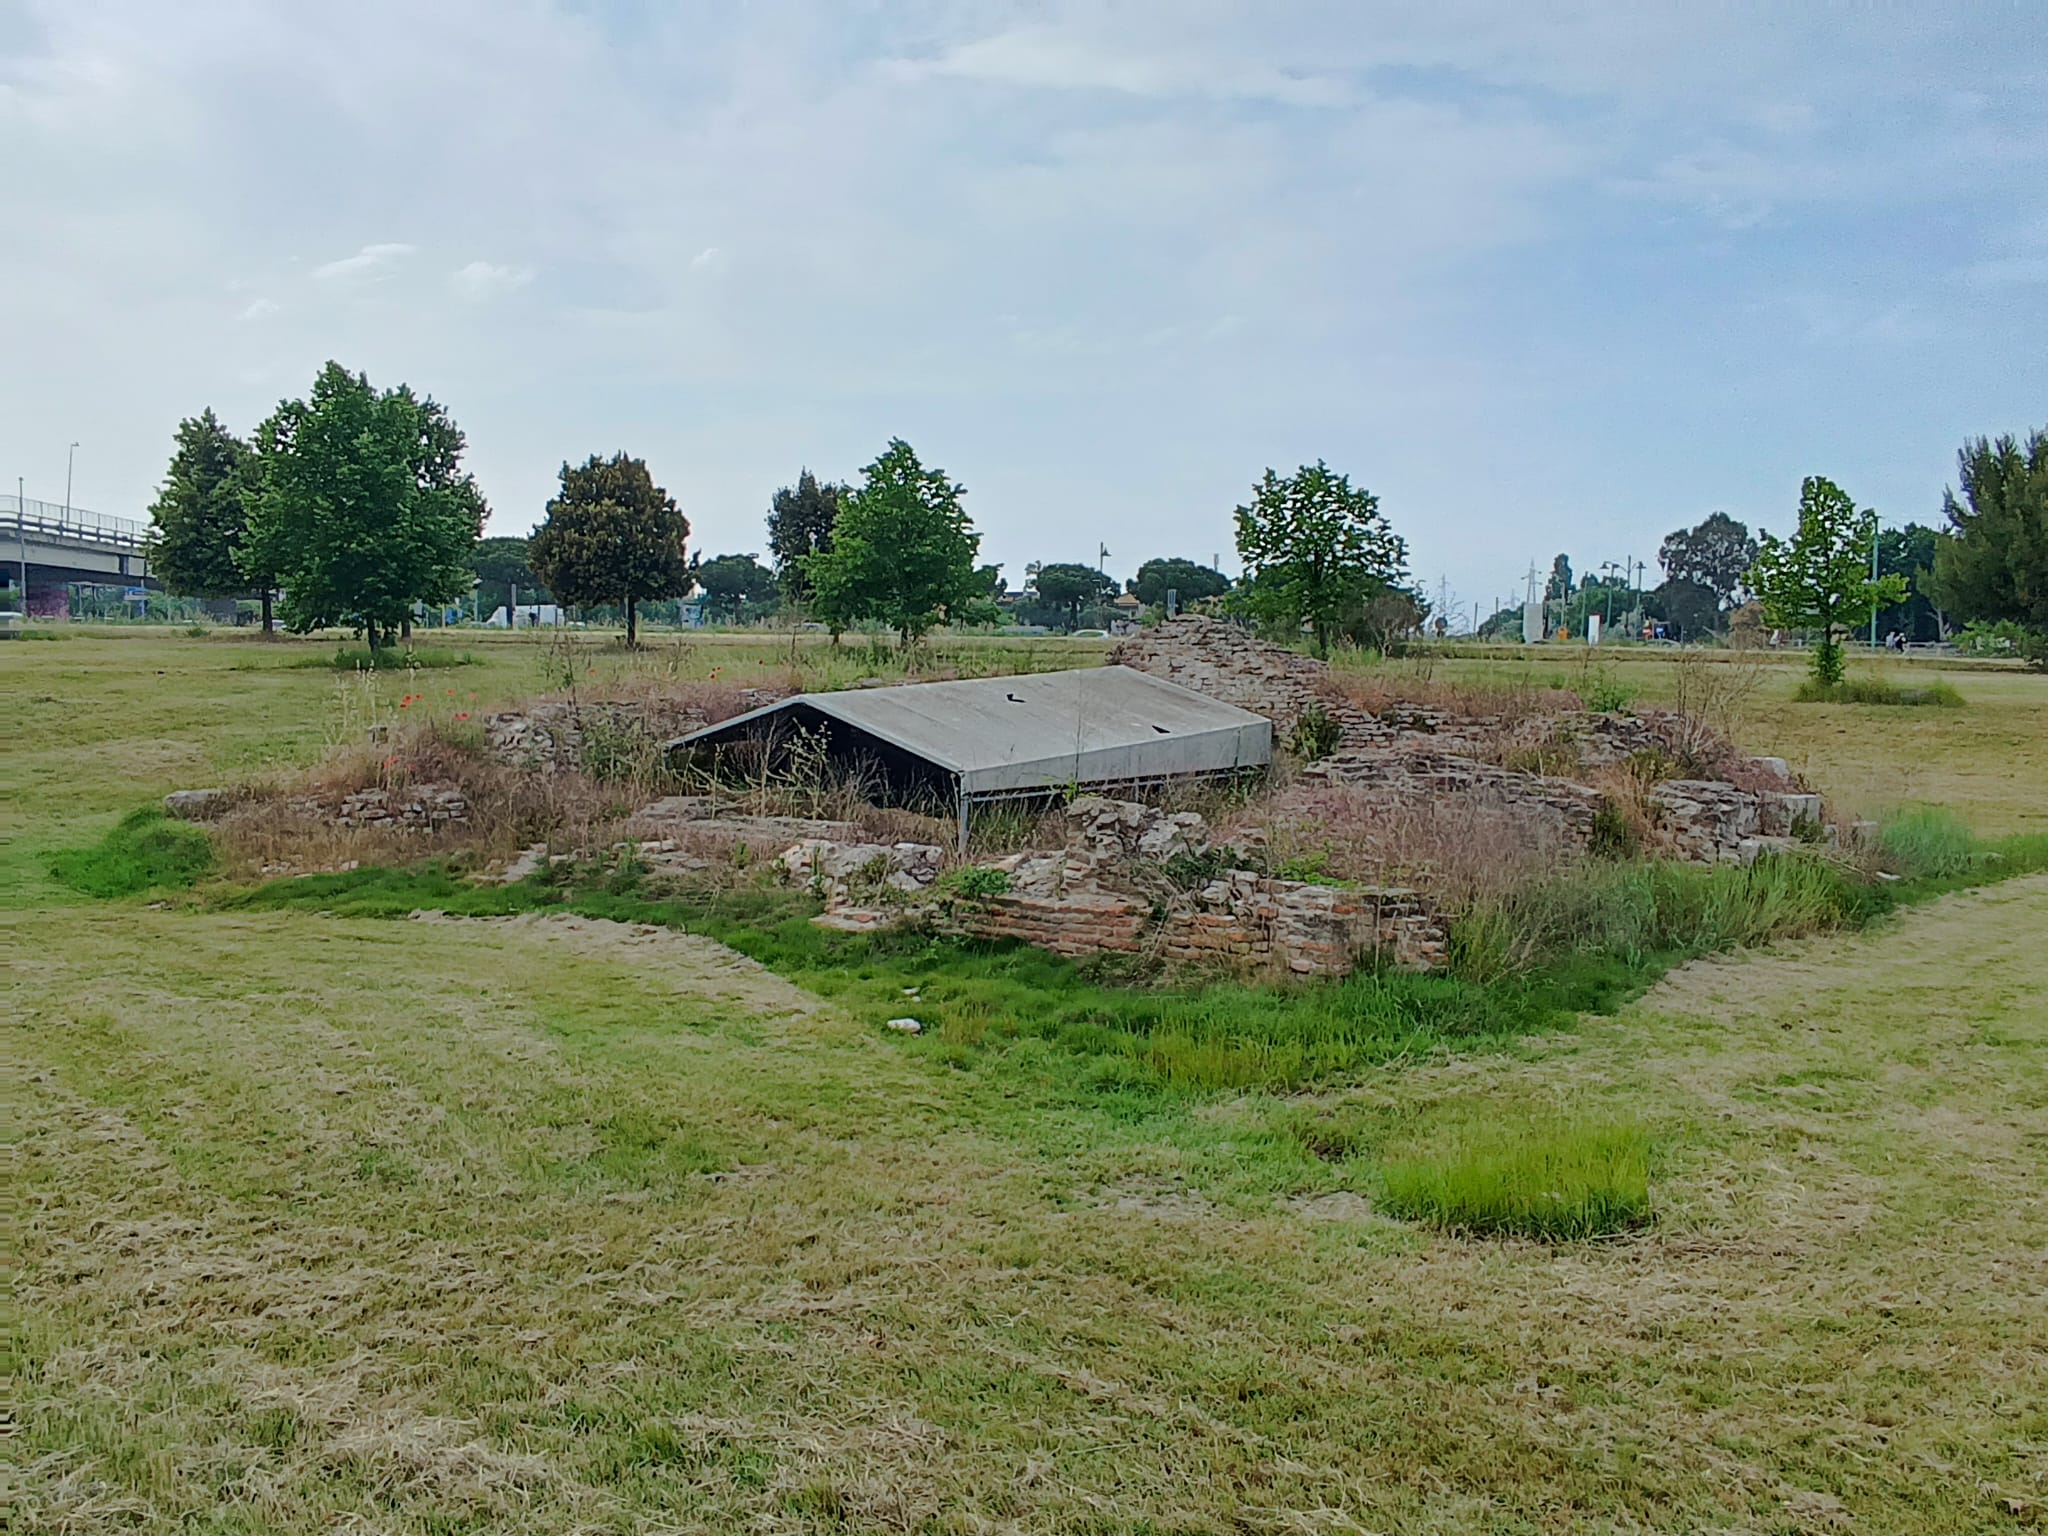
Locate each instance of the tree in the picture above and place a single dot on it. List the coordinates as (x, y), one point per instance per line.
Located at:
(1689, 604)
(1193, 582)
(612, 536)
(730, 582)
(1070, 588)
(1820, 577)
(359, 504)
(1559, 588)
(800, 524)
(1717, 554)
(902, 552)
(1314, 549)
(200, 518)
(502, 567)
(1909, 552)
(1388, 615)
(1992, 565)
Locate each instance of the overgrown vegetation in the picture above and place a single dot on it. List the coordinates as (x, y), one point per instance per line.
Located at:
(1547, 1175)
(1876, 690)
(360, 658)
(146, 851)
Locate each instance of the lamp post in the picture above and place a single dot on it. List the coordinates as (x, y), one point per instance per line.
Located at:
(70, 458)
(1875, 520)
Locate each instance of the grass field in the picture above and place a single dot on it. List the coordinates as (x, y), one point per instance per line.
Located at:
(547, 1223)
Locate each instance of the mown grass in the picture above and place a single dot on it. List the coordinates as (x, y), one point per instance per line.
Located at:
(146, 851)
(1584, 944)
(1876, 690)
(1546, 1176)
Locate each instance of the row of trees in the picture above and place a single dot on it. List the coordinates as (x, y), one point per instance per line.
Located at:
(352, 502)
(1990, 565)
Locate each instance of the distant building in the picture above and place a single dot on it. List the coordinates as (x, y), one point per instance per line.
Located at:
(526, 616)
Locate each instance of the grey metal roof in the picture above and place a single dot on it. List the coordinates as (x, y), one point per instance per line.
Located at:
(1043, 730)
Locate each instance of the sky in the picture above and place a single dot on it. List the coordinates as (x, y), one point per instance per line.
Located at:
(1541, 282)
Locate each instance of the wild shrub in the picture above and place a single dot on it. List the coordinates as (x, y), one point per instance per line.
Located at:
(1315, 733)
(1546, 1176)
(1614, 836)
(145, 851)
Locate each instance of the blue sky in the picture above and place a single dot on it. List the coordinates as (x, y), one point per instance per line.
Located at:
(1542, 282)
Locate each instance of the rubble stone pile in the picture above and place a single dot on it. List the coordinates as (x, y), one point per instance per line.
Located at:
(1413, 752)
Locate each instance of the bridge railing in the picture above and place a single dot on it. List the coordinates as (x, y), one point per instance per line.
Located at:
(28, 517)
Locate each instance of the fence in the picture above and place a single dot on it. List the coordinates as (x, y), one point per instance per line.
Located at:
(28, 517)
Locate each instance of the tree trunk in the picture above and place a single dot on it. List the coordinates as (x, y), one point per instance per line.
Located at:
(268, 628)
(632, 625)
(370, 634)
(405, 627)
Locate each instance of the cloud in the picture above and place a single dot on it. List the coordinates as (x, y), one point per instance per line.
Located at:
(481, 281)
(371, 263)
(259, 309)
(1050, 58)
(710, 259)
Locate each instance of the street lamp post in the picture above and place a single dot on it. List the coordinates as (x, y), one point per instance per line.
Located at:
(70, 458)
(1874, 523)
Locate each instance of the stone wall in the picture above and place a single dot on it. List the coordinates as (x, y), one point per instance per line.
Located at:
(1110, 891)
(549, 736)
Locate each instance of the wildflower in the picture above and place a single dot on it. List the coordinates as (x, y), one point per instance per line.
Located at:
(462, 714)
(406, 702)
(451, 693)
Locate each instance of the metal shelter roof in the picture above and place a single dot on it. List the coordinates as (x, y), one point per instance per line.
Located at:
(1039, 731)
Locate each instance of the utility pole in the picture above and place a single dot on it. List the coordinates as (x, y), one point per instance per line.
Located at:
(21, 532)
(1873, 580)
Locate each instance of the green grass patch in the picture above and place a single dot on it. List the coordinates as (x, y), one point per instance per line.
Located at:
(145, 851)
(1546, 1176)
(1873, 690)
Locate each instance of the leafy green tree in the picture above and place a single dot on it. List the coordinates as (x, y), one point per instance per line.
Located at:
(1992, 566)
(612, 536)
(1067, 589)
(1559, 588)
(800, 520)
(1689, 604)
(1716, 553)
(902, 552)
(1909, 552)
(200, 518)
(501, 568)
(359, 503)
(1819, 579)
(1314, 549)
(731, 582)
(1193, 582)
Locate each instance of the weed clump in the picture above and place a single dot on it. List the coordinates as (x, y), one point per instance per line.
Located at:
(145, 851)
(1546, 1177)
(1873, 690)
(1927, 843)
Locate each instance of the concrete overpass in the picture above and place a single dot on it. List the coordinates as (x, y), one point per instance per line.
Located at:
(45, 545)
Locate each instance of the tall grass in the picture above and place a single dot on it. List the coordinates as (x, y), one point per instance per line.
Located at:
(1545, 1176)
(1928, 843)
(1656, 912)
(1875, 690)
(145, 851)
